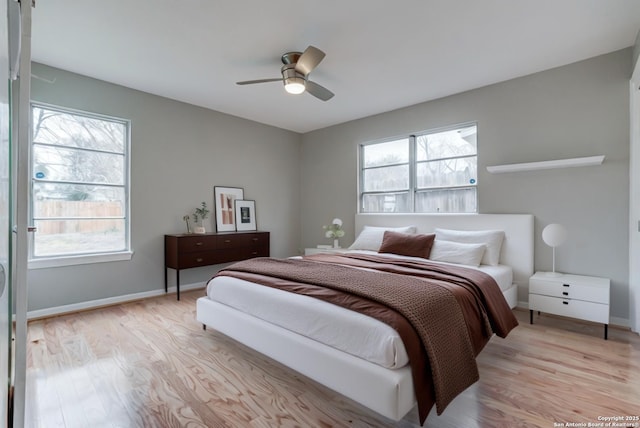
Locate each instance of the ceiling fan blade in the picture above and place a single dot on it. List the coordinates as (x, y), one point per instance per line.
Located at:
(319, 91)
(309, 60)
(251, 82)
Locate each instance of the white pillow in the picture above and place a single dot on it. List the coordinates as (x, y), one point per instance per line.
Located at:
(491, 238)
(371, 237)
(457, 252)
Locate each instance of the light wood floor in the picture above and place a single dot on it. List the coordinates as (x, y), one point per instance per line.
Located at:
(150, 364)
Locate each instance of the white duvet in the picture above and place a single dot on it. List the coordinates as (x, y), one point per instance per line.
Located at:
(349, 331)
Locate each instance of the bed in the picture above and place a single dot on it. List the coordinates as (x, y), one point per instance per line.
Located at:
(382, 382)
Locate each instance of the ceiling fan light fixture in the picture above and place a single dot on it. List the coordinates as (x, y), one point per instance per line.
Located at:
(294, 85)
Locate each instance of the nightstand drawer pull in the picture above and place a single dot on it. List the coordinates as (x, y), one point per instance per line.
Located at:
(566, 285)
(565, 293)
(199, 259)
(564, 302)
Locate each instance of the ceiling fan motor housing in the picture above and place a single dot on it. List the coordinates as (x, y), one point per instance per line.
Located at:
(291, 57)
(289, 74)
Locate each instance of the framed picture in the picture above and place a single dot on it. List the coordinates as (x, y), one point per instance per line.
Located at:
(223, 200)
(245, 215)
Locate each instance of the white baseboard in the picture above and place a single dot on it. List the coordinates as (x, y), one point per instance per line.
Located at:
(92, 304)
(620, 322)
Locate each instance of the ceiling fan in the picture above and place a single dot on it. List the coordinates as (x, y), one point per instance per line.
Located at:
(295, 73)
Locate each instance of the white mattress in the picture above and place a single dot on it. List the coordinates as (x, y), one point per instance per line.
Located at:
(349, 331)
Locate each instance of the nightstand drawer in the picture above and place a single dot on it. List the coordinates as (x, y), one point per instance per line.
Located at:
(579, 309)
(570, 290)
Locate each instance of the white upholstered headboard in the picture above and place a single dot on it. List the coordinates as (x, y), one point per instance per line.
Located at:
(517, 248)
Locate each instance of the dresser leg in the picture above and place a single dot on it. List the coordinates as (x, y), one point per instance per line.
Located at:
(178, 283)
(606, 331)
(530, 316)
(166, 286)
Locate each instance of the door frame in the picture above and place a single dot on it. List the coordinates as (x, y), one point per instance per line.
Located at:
(634, 198)
(20, 201)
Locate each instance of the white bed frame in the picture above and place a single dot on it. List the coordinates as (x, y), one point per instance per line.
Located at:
(387, 392)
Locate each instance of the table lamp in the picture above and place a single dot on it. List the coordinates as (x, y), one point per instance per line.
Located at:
(554, 235)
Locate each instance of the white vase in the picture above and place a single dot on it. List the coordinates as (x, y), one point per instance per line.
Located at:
(336, 243)
(199, 229)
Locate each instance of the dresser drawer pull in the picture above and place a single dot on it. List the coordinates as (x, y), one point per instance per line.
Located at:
(566, 285)
(199, 259)
(227, 241)
(255, 253)
(255, 239)
(564, 302)
(565, 293)
(199, 243)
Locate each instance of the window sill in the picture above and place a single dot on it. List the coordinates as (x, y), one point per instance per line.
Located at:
(79, 260)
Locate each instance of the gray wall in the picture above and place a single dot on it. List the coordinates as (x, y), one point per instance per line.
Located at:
(636, 52)
(178, 153)
(577, 110)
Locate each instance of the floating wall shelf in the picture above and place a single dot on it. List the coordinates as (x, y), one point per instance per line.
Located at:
(558, 163)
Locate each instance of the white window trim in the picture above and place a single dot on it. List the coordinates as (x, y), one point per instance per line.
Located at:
(81, 259)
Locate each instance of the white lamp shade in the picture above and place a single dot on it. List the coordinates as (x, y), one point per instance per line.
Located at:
(554, 235)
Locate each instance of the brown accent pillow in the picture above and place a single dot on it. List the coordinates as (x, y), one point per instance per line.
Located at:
(404, 244)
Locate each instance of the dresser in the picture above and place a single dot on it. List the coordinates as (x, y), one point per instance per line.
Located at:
(575, 296)
(184, 251)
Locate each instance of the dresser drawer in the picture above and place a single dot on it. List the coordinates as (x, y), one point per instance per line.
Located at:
(570, 290)
(196, 243)
(195, 259)
(255, 251)
(242, 240)
(579, 309)
(258, 240)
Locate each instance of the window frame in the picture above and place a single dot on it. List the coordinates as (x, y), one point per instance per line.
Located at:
(49, 261)
(413, 162)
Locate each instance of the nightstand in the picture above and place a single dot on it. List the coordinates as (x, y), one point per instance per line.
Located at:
(575, 296)
(310, 251)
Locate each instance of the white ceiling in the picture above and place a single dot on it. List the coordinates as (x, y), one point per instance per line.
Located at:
(381, 54)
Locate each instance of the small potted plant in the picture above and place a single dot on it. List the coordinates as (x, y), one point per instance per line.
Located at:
(198, 216)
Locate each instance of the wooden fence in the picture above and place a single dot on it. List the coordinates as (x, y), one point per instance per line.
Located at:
(85, 214)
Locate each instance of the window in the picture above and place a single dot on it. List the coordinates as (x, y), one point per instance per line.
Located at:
(80, 183)
(431, 172)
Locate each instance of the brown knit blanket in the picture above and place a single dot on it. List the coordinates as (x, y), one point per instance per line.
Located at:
(454, 316)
